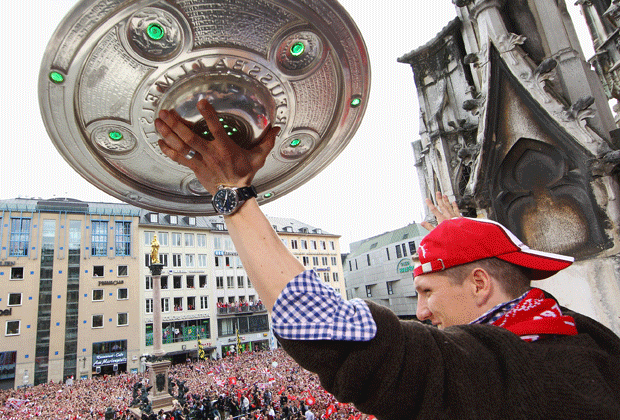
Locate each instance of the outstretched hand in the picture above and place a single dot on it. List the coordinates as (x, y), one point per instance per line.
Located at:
(443, 211)
(217, 162)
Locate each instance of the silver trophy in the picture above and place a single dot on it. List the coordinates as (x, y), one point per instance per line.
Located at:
(112, 65)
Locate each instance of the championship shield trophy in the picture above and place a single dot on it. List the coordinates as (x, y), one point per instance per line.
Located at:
(112, 65)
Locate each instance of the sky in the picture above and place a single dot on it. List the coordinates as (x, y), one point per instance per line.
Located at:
(369, 189)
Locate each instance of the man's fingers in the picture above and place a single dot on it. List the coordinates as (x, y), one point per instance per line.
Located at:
(262, 149)
(213, 122)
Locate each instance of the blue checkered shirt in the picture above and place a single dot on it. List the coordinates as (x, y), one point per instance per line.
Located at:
(308, 309)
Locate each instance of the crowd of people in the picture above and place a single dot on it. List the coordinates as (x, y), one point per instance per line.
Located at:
(251, 386)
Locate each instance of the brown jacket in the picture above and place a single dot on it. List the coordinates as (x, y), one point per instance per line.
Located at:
(478, 372)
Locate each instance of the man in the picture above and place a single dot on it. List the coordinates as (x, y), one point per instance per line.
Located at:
(501, 349)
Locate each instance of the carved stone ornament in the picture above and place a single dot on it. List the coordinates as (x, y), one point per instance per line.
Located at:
(112, 65)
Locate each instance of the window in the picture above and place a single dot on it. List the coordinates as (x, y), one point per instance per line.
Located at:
(326, 277)
(148, 238)
(202, 260)
(189, 282)
(201, 241)
(123, 238)
(240, 282)
(12, 328)
(191, 303)
(249, 283)
(304, 244)
(122, 271)
(149, 306)
(230, 281)
(97, 271)
(228, 262)
(178, 304)
(324, 261)
(399, 252)
(368, 291)
(122, 294)
(189, 239)
(121, 319)
(219, 226)
(191, 221)
(202, 281)
(334, 261)
(390, 287)
(97, 321)
(284, 242)
(312, 244)
(15, 299)
(176, 239)
(147, 260)
(153, 217)
(350, 268)
(165, 304)
(315, 261)
(332, 245)
(174, 220)
(163, 238)
(368, 259)
(217, 242)
(176, 260)
(176, 282)
(204, 302)
(306, 260)
(99, 239)
(163, 282)
(323, 245)
(412, 249)
(335, 276)
(149, 283)
(17, 273)
(97, 295)
(189, 260)
(20, 237)
(163, 258)
(294, 244)
(219, 282)
(404, 250)
(218, 261)
(387, 251)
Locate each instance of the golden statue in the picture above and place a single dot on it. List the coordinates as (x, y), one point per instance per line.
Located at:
(154, 250)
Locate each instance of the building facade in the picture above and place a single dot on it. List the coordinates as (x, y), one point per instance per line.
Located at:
(380, 269)
(78, 292)
(67, 271)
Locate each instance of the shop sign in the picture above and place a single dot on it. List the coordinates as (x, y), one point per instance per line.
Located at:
(7, 263)
(110, 282)
(227, 253)
(404, 266)
(108, 359)
(6, 312)
(322, 269)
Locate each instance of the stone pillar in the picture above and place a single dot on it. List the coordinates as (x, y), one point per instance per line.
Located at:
(158, 379)
(157, 333)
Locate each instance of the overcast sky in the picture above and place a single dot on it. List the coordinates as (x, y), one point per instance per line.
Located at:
(369, 189)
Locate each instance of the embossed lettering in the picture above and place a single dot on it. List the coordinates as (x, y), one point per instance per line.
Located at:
(152, 98)
(239, 64)
(255, 71)
(266, 79)
(277, 90)
(166, 84)
(220, 64)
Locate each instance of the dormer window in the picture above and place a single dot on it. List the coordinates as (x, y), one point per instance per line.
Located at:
(153, 217)
(219, 226)
(303, 230)
(174, 220)
(191, 221)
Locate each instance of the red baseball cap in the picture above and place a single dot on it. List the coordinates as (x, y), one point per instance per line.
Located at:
(463, 240)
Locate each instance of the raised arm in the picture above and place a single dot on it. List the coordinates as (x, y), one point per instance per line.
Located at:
(268, 263)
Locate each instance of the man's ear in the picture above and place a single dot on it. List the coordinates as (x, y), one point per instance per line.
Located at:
(482, 285)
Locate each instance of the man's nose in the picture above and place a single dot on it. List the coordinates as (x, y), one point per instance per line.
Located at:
(422, 312)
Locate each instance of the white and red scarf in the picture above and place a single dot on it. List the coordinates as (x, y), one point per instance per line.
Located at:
(535, 315)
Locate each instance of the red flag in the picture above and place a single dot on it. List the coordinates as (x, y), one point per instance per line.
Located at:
(232, 380)
(310, 400)
(330, 410)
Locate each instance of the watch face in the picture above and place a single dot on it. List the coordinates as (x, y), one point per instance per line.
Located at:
(225, 201)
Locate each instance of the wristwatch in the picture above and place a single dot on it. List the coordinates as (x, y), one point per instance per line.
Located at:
(227, 200)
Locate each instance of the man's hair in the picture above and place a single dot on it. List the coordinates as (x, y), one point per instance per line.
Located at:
(512, 279)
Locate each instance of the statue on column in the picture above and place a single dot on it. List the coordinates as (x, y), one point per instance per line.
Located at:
(155, 250)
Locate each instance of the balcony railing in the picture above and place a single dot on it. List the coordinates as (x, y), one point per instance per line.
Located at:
(241, 309)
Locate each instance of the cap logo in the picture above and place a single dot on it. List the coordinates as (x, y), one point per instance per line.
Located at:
(423, 251)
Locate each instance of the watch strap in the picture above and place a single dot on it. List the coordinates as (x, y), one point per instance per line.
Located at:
(245, 193)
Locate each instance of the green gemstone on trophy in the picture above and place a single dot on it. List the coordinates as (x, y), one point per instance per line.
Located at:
(115, 136)
(155, 31)
(297, 49)
(295, 143)
(356, 102)
(56, 77)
